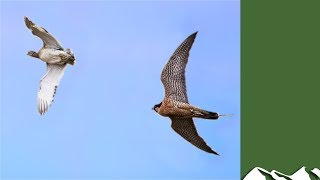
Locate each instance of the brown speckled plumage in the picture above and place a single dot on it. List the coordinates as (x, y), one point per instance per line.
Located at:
(175, 104)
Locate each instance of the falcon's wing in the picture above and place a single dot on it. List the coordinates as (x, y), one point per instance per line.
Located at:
(48, 86)
(186, 129)
(173, 74)
(48, 40)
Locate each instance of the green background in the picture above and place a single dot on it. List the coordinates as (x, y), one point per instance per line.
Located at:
(280, 85)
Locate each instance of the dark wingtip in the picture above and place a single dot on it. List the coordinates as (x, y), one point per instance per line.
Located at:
(26, 18)
(191, 37)
(210, 150)
(213, 152)
(194, 34)
(27, 22)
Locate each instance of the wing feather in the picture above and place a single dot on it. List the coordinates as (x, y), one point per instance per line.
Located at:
(173, 74)
(186, 129)
(48, 86)
(48, 40)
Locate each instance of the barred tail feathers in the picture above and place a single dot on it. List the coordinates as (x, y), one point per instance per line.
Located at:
(205, 114)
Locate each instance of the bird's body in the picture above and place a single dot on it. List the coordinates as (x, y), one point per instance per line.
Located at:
(175, 104)
(56, 59)
(55, 56)
(176, 109)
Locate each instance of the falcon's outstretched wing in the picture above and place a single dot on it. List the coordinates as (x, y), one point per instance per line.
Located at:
(173, 74)
(186, 129)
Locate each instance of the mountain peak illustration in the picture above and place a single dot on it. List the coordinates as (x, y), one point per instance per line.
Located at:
(257, 173)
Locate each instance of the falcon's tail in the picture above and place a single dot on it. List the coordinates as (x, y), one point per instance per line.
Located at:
(210, 115)
(199, 113)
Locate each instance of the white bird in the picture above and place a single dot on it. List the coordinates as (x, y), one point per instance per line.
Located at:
(56, 58)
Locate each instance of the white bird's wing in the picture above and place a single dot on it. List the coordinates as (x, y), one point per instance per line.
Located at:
(48, 86)
(48, 40)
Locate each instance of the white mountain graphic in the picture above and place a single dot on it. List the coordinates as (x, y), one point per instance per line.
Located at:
(301, 174)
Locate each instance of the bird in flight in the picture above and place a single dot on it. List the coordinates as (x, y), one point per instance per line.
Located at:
(175, 104)
(56, 59)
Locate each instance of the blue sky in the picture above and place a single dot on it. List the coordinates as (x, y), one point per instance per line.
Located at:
(101, 124)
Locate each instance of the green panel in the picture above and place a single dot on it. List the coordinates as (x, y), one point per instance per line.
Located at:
(280, 85)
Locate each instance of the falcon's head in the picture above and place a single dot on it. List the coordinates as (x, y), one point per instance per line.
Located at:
(156, 107)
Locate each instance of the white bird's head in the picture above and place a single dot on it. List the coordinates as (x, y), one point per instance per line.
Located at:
(33, 54)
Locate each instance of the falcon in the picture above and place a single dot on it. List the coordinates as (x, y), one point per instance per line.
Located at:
(175, 104)
(56, 59)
